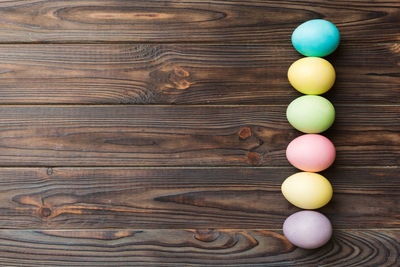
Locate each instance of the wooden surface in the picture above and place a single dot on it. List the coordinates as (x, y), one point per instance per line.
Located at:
(153, 133)
(169, 198)
(191, 21)
(185, 135)
(188, 247)
(187, 73)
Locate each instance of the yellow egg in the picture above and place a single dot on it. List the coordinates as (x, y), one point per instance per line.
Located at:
(307, 190)
(311, 75)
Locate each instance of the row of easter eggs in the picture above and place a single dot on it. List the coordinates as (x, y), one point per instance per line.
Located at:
(311, 152)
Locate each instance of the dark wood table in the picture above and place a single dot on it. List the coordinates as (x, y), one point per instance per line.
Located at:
(154, 133)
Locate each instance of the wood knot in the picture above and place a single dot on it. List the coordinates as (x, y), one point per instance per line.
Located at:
(182, 85)
(181, 72)
(244, 133)
(50, 171)
(177, 78)
(206, 235)
(171, 80)
(44, 212)
(253, 158)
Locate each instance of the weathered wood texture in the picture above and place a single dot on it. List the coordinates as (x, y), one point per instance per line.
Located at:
(222, 247)
(187, 74)
(184, 20)
(186, 197)
(184, 135)
(188, 52)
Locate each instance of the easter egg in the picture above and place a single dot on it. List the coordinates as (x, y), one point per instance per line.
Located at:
(307, 229)
(311, 114)
(307, 190)
(316, 38)
(311, 152)
(311, 75)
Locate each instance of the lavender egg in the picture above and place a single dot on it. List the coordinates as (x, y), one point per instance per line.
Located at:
(307, 229)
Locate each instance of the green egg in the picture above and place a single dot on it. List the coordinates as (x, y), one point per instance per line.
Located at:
(311, 114)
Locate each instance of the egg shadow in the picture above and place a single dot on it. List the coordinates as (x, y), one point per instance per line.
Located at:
(333, 95)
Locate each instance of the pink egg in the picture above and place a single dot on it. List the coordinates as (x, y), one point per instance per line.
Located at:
(311, 152)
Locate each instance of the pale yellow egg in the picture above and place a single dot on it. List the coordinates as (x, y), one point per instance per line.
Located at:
(312, 75)
(307, 190)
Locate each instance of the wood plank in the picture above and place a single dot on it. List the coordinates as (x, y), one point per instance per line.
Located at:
(187, 74)
(184, 135)
(184, 20)
(150, 198)
(222, 247)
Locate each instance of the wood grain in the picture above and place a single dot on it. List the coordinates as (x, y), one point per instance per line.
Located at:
(184, 20)
(187, 74)
(222, 247)
(74, 186)
(144, 198)
(184, 135)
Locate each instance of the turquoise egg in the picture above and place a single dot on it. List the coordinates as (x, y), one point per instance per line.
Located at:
(316, 38)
